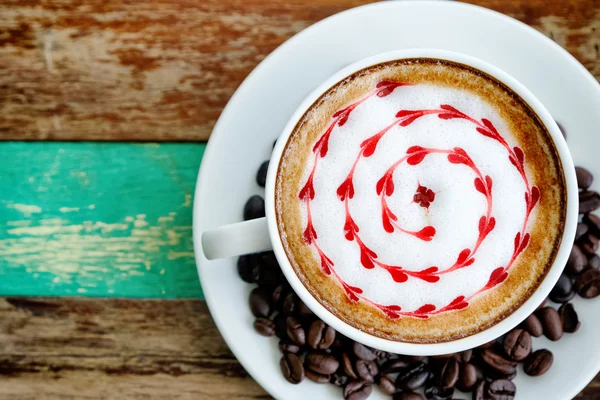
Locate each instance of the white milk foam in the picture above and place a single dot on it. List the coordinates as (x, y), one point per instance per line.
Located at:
(455, 212)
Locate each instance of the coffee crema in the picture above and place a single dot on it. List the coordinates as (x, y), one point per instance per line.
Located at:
(420, 200)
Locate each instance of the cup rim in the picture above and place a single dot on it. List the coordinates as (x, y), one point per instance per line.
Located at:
(476, 339)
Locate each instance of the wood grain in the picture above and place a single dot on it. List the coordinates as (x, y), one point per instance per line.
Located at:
(98, 219)
(74, 348)
(135, 70)
(164, 69)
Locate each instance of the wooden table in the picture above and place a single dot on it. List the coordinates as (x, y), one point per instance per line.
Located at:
(112, 218)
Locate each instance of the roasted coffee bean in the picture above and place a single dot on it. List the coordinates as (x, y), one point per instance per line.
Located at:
(363, 352)
(449, 374)
(501, 389)
(464, 356)
(322, 363)
(279, 294)
(280, 326)
(386, 384)
(320, 335)
(413, 377)
(261, 175)
(437, 393)
(496, 361)
(248, 268)
(576, 262)
(394, 365)
(582, 229)
(562, 129)
(589, 244)
(339, 380)
(480, 392)
(594, 261)
(551, 323)
(254, 208)
(533, 325)
(593, 222)
(563, 290)
(587, 285)
(289, 303)
(467, 377)
(267, 259)
(264, 326)
(366, 370)
(348, 366)
(588, 202)
(356, 390)
(569, 318)
(316, 377)
(584, 178)
(295, 331)
(286, 346)
(381, 356)
(303, 309)
(408, 396)
(291, 368)
(538, 363)
(517, 344)
(259, 302)
(268, 277)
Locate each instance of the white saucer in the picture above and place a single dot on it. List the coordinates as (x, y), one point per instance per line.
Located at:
(258, 111)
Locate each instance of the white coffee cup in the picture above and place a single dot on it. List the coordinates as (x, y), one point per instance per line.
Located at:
(263, 234)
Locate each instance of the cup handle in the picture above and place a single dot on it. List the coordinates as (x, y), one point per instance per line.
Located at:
(235, 239)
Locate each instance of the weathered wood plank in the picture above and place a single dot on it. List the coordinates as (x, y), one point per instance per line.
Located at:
(136, 70)
(163, 69)
(73, 348)
(98, 219)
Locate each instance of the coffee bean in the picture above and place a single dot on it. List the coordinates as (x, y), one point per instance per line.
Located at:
(259, 302)
(517, 344)
(480, 392)
(438, 393)
(449, 374)
(551, 323)
(381, 356)
(295, 331)
(584, 178)
(254, 208)
(279, 294)
(408, 396)
(289, 303)
(285, 346)
(587, 285)
(588, 202)
(339, 380)
(394, 365)
(248, 269)
(363, 352)
(291, 368)
(261, 175)
(413, 377)
(464, 356)
(264, 326)
(533, 325)
(576, 262)
(467, 377)
(501, 389)
(562, 129)
(303, 309)
(366, 370)
(538, 363)
(322, 363)
(267, 260)
(589, 244)
(498, 362)
(563, 290)
(569, 318)
(386, 384)
(348, 366)
(594, 261)
(320, 336)
(582, 229)
(593, 222)
(280, 326)
(356, 390)
(316, 377)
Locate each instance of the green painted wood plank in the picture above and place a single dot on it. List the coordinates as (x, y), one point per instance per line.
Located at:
(98, 219)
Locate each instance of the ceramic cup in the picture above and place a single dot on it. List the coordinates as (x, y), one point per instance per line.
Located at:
(263, 234)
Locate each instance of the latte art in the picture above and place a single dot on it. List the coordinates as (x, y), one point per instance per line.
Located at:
(414, 200)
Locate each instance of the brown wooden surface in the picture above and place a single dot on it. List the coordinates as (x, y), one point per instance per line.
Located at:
(75, 348)
(163, 69)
